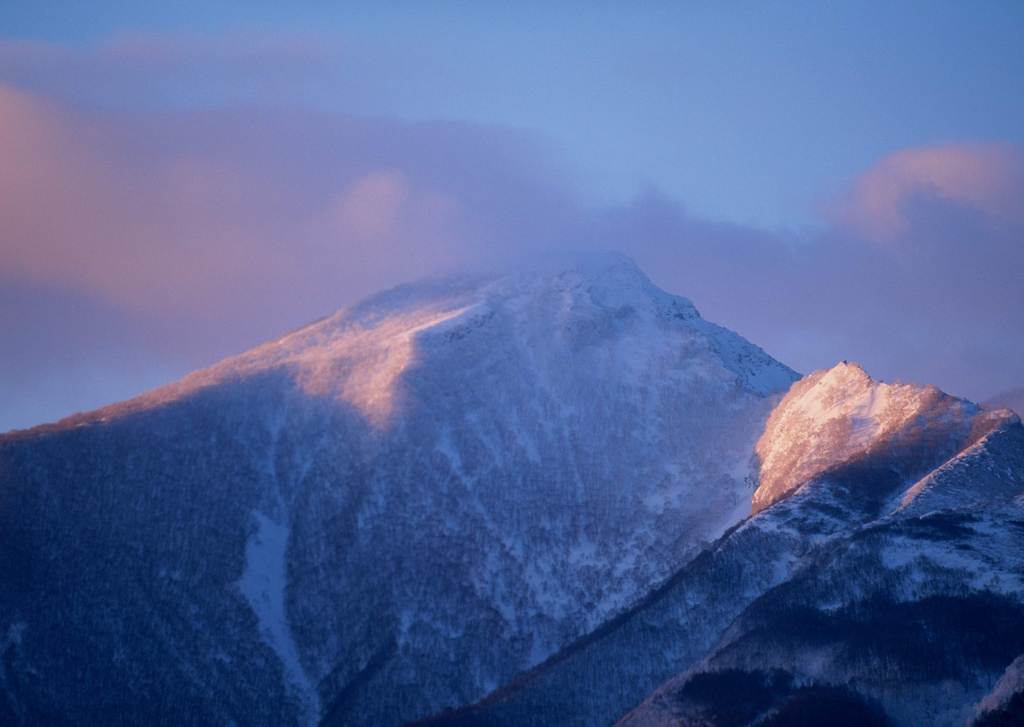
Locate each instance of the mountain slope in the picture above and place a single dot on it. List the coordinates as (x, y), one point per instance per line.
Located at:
(913, 617)
(885, 518)
(395, 509)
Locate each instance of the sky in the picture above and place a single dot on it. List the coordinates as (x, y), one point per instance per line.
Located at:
(179, 182)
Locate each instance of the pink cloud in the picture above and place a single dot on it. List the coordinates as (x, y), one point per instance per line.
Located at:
(198, 234)
(214, 213)
(50, 206)
(371, 222)
(986, 178)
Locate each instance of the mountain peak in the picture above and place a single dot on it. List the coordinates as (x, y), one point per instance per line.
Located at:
(587, 279)
(361, 354)
(846, 372)
(834, 415)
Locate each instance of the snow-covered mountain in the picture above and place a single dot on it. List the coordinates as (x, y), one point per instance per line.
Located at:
(879, 580)
(556, 495)
(395, 509)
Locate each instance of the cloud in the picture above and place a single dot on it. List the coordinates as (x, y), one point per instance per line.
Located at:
(936, 298)
(207, 231)
(238, 206)
(920, 270)
(380, 213)
(985, 178)
(178, 237)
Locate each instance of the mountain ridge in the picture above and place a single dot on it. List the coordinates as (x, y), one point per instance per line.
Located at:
(616, 279)
(765, 554)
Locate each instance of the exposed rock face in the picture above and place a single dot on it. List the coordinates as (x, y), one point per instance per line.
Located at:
(395, 509)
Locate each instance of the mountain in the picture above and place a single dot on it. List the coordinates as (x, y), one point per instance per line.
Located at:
(878, 580)
(393, 510)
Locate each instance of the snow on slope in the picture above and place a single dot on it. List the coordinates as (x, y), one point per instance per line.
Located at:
(832, 416)
(971, 477)
(263, 582)
(358, 355)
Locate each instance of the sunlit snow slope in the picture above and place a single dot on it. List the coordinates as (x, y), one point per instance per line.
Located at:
(832, 416)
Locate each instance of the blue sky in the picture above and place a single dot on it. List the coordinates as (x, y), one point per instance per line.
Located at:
(749, 112)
